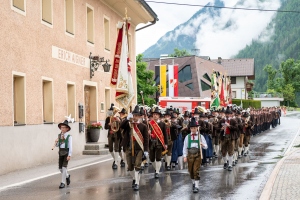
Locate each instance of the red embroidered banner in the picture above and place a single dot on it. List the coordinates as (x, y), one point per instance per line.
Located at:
(158, 132)
(115, 69)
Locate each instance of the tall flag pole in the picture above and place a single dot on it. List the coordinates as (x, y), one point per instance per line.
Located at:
(124, 85)
(215, 99)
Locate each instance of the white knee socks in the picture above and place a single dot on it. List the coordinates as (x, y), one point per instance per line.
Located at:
(116, 156)
(121, 155)
(225, 159)
(197, 184)
(168, 160)
(180, 162)
(154, 165)
(240, 150)
(112, 155)
(230, 159)
(132, 174)
(64, 175)
(137, 177)
(158, 165)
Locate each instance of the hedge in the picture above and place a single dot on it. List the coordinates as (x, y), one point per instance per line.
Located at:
(247, 103)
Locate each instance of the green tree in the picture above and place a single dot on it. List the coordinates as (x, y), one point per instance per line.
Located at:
(288, 93)
(271, 76)
(179, 53)
(145, 82)
(290, 70)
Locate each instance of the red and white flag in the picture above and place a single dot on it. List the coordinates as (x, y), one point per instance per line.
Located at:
(124, 86)
(173, 80)
(176, 80)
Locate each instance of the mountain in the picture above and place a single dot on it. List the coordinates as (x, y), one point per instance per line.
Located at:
(216, 32)
(270, 42)
(283, 44)
(183, 36)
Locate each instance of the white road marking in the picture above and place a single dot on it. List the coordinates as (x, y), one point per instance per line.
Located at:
(52, 174)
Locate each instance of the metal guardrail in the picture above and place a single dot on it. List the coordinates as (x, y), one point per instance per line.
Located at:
(267, 95)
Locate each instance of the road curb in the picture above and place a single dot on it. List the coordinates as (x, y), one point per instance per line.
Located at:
(267, 191)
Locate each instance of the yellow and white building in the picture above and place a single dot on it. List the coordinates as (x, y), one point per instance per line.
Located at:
(45, 71)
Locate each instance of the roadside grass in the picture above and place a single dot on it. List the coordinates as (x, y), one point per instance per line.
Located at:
(297, 146)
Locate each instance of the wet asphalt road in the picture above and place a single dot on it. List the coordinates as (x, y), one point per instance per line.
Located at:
(99, 181)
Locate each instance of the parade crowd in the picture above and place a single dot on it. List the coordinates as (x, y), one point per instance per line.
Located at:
(147, 136)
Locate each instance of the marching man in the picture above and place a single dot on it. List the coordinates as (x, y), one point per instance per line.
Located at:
(64, 143)
(135, 143)
(158, 139)
(113, 136)
(192, 154)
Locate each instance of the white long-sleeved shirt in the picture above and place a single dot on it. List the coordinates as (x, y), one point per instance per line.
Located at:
(193, 144)
(62, 145)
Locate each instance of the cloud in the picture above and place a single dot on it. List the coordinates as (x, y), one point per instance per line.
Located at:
(224, 35)
(170, 16)
(215, 39)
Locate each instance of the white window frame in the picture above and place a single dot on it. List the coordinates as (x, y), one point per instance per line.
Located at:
(75, 111)
(42, 21)
(49, 80)
(108, 19)
(18, 10)
(92, 8)
(67, 33)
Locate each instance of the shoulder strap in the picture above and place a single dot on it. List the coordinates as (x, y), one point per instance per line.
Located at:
(189, 141)
(58, 140)
(67, 141)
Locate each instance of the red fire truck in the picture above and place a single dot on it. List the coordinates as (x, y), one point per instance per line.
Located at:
(184, 103)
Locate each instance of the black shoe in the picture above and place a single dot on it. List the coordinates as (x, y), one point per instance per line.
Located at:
(122, 163)
(156, 175)
(168, 168)
(133, 183)
(229, 168)
(195, 190)
(62, 185)
(233, 163)
(146, 165)
(225, 165)
(140, 171)
(68, 180)
(239, 156)
(136, 187)
(114, 166)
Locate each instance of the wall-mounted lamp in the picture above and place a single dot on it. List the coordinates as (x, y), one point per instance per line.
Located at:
(95, 61)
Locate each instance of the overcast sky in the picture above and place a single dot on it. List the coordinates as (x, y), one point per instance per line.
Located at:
(212, 40)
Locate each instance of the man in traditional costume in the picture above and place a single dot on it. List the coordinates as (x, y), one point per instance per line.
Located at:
(113, 135)
(228, 137)
(123, 115)
(192, 148)
(158, 140)
(135, 143)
